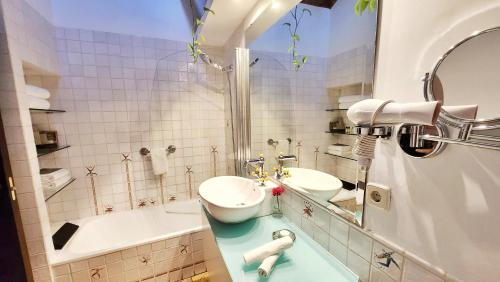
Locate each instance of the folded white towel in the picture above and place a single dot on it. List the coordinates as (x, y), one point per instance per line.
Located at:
(352, 98)
(37, 103)
(55, 184)
(267, 265)
(37, 92)
(55, 174)
(340, 147)
(268, 249)
(159, 160)
(340, 153)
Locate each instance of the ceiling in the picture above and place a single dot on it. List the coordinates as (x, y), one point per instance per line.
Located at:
(228, 16)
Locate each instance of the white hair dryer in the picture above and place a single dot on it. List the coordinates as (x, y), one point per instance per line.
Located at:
(371, 112)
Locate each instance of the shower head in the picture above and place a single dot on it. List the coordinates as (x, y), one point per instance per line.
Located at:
(207, 60)
(254, 62)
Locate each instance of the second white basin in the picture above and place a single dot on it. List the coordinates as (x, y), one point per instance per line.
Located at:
(322, 185)
(231, 199)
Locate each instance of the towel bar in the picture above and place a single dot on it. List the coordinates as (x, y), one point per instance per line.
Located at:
(145, 151)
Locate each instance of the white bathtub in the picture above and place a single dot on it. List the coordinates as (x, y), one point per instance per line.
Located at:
(117, 231)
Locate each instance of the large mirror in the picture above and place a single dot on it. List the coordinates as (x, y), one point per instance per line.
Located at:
(306, 70)
(465, 80)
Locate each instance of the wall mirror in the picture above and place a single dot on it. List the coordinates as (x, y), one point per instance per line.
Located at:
(306, 70)
(465, 80)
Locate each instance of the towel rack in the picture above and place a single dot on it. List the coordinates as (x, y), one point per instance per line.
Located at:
(145, 151)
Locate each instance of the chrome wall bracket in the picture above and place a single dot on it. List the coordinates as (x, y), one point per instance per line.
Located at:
(381, 131)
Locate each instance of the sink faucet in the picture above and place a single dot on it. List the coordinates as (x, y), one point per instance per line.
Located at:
(281, 161)
(259, 173)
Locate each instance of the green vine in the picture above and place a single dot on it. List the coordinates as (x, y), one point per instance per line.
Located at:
(361, 6)
(194, 46)
(297, 60)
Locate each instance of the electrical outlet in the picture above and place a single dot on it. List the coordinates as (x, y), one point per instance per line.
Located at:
(378, 195)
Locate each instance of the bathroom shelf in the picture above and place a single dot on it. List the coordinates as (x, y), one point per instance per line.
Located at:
(350, 157)
(340, 133)
(47, 111)
(334, 110)
(45, 151)
(47, 197)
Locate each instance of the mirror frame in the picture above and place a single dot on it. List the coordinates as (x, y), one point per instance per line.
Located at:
(446, 117)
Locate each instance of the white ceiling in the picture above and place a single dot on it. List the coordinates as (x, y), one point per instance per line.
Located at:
(229, 14)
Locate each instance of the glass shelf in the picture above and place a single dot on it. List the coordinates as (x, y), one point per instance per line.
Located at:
(45, 151)
(48, 111)
(334, 110)
(348, 157)
(340, 133)
(53, 193)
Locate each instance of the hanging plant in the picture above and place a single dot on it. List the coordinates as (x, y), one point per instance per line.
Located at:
(194, 47)
(361, 6)
(297, 60)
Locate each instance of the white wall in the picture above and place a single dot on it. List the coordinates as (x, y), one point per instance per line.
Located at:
(314, 34)
(444, 209)
(151, 18)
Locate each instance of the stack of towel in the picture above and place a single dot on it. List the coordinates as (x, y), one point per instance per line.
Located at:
(268, 254)
(54, 178)
(345, 102)
(37, 97)
(339, 149)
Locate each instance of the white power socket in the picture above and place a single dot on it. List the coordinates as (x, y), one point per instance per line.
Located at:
(378, 195)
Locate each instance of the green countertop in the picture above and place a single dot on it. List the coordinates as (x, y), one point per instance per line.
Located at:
(305, 261)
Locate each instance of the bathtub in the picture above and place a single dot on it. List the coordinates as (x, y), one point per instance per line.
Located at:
(103, 234)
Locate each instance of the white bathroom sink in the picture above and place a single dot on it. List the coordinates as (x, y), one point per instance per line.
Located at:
(231, 199)
(321, 185)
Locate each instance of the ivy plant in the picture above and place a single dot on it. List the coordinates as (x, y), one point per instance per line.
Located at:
(194, 47)
(297, 60)
(361, 6)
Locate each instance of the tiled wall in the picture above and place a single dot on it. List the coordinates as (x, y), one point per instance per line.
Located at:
(370, 257)
(290, 104)
(353, 66)
(175, 259)
(122, 93)
(26, 37)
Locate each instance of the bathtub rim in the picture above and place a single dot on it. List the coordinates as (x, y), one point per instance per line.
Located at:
(56, 258)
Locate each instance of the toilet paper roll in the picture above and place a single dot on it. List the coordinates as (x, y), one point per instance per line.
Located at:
(267, 265)
(268, 249)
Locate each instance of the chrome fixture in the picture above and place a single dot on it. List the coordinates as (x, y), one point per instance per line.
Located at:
(145, 151)
(281, 161)
(272, 142)
(259, 162)
(207, 60)
(242, 121)
(479, 88)
(283, 233)
(382, 131)
(254, 62)
(411, 139)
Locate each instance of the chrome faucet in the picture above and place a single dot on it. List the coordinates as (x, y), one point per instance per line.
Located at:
(260, 174)
(281, 161)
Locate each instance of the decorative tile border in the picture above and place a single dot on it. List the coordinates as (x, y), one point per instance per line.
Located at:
(368, 255)
(175, 259)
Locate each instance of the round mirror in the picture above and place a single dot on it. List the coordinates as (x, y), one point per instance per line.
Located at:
(466, 80)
